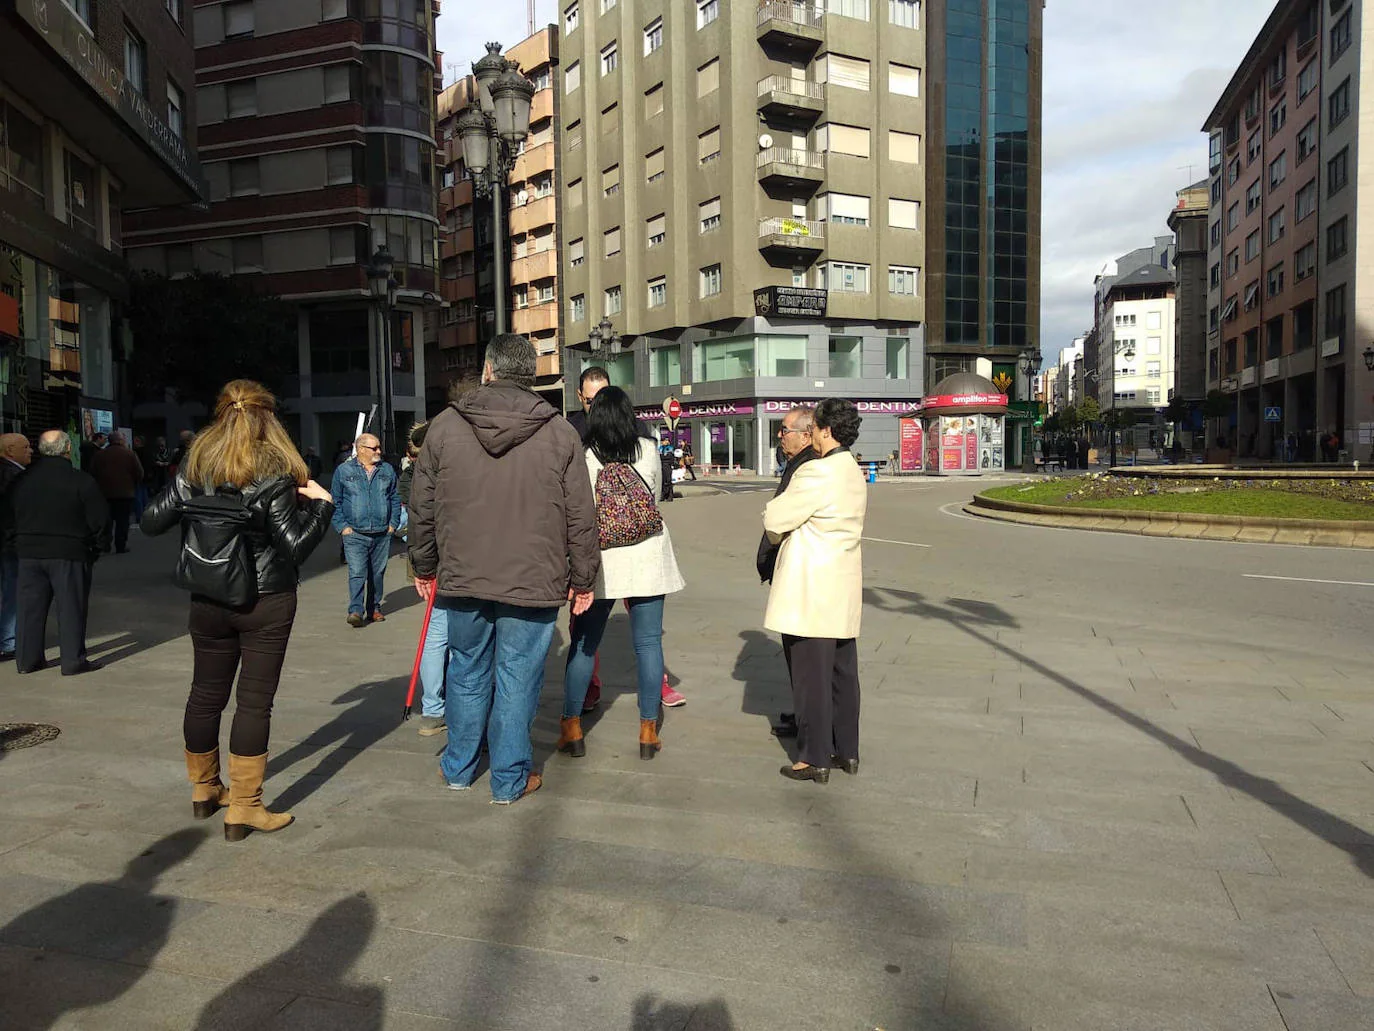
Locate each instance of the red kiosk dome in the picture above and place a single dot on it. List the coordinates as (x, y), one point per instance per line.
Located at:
(965, 393)
(964, 427)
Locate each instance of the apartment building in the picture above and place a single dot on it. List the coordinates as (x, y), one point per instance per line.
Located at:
(317, 144)
(1098, 370)
(97, 115)
(743, 190)
(529, 246)
(1137, 340)
(1289, 303)
(1188, 223)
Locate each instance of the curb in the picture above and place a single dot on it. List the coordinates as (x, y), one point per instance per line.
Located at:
(1181, 525)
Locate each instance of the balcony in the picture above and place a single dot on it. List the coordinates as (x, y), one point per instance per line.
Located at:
(546, 365)
(791, 168)
(536, 213)
(781, 96)
(791, 237)
(539, 265)
(783, 23)
(539, 317)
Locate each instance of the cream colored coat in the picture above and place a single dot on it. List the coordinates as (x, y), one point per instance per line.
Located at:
(818, 587)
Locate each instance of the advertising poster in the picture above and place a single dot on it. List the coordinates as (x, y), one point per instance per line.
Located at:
(971, 441)
(997, 458)
(910, 441)
(952, 443)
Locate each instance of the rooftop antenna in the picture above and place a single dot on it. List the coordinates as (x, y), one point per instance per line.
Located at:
(1180, 167)
(532, 17)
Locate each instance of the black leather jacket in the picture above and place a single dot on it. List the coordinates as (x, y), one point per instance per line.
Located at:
(284, 533)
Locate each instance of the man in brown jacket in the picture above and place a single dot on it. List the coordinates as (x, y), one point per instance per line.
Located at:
(118, 472)
(503, 528)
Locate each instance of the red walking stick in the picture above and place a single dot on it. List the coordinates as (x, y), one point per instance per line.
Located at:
(419, 654)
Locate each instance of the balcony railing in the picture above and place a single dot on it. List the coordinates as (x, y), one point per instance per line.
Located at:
(793, 87)
(784, 10)
(791, 156)
(805, 232)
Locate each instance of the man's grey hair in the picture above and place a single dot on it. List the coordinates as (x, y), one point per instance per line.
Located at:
(512, 359)
(55, 447)
(117, 438)
(802, 417)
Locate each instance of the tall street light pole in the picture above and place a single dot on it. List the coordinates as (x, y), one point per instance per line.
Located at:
(384, 286)
(491, 132)
(1030, 365)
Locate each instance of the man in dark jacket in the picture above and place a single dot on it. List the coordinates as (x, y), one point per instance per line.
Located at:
(794, 441)
(367, 511)
(503, 528)
(59, 523)
(15, 455)
(118, 473)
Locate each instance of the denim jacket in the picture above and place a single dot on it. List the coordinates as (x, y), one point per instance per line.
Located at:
(368, 506)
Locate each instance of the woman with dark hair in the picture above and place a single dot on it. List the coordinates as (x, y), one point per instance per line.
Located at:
(817, 592)
(244, 467)
(641, 573)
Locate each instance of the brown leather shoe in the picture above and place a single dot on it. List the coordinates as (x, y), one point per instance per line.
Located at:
(532, 785)
(570, 737)
(649, 742)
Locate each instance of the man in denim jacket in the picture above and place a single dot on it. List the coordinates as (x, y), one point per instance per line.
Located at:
(367, 511)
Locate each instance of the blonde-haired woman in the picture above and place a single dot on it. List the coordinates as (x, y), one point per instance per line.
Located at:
(244, 454)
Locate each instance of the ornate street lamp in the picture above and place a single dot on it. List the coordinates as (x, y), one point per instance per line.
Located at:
(1030, 365)
(383, 285)
(603, 333)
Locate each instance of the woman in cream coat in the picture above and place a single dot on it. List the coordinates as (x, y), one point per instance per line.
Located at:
(641, 574)
(817, 593)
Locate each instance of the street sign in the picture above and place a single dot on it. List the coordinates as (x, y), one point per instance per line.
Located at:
(672, 411)
(1273, 413)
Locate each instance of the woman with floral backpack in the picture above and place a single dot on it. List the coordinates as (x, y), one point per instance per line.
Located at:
(637, 565)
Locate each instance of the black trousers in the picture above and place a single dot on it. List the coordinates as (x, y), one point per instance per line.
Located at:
(41, 582)
(121, 511)
(825, 692)
(221, 639)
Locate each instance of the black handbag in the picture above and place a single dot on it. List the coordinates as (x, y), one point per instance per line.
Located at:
(216, 560)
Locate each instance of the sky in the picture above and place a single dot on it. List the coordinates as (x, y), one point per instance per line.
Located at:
(1127, 86)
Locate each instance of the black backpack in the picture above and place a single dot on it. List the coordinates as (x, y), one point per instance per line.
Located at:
(216, 560)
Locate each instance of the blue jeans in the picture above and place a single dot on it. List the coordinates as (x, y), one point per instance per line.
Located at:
(488, 640)
(9, 600)
(367, 555)
(434, 661)
(646, 628)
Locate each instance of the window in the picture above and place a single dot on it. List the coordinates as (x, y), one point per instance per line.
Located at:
(724, 359)
(1153, 320)
(1233, 216)
(1305, 261)
(611, 237)
(710, 281)
(1152, 370)
(575, 136)
(1307, 80)
(136, 61)
(1213, 319)
(238, 18)
(1278, 68)
(572, 78)
(1252, 246)
(82, 8)
(1338, 105)
(844, 277)
(708, 145)
(612, 303)
(1252, 201)
(575, 193)
(1214, 276)
(1276, 221)
(243, 178)
(665, 366)
(901, 280)
(1233, 172)
(1335, 313)
(1233, 263)
(898, 358)
(1278, 170)
(843, 208)
(174, 9)
(333, 10)
(336, 84)
(247, 253)
(1252, 103)
(339, 165)
(241, 98)
(21, 157)
(610, 59)
(1228, 310)
(658, 292)
(606, 5)
(709, 213)
(1338, 172)
(708, 77)
(653, 36)
(577, 253)
(846, 357)
(1340, 36)
(1214, 147)
(903, 80)
(903, 146)
(657, 229)
(80, 182)
(610, 181)
(843, 139)
(577, 308)
(1253, 146)
(1274, 280)
(1278, 117)
(1214, 232)
(653, 101)
(1307, 140)
(1337, 238)
(849, 72)
(1252, 293)
(653, 166)
(903, 214)
(1306, 200)
(707, 12)
(610, 119)
(571, 19)
(176, 105)
(904, 13)
(848, 8)
(341, 245)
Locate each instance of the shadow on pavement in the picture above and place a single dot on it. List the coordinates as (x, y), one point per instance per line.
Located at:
(106, 920)
(761, 667)
(969, 616)
(653, 1014)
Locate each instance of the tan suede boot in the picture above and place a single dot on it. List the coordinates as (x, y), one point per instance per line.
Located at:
(570, 737)
(246, 812)
(208, 793)
(649, 742)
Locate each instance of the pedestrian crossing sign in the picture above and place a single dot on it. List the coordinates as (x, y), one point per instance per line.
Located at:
(1273, 413)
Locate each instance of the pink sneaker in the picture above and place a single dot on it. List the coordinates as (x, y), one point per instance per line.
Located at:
(672, 699)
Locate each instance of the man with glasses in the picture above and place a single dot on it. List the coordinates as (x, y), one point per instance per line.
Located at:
(794, 441)
(367, 511)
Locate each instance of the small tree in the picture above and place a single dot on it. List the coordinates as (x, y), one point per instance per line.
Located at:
(1217, 406)
(1090, 412)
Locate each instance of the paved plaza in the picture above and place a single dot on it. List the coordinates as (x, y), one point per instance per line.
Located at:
(1108, 782)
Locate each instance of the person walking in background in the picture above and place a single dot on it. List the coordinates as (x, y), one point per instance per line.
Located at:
(119, 473)
(637, 566)
(59, 524)
(90, 448)
(689, 462)
(367, 511)
(162, 466)
(794, 439)
(434, 651)
(243, 463)
(16, 454)
(817, 592)
(503, 529)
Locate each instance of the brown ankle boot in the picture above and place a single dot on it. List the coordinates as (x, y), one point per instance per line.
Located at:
(570, 737)
(648, 739)
(208, 793)
(246, 811)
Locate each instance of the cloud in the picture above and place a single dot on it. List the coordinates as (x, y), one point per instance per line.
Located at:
(465, 26)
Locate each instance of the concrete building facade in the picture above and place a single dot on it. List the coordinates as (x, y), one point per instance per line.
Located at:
(743, 193)
(1188, 223)
(97, 115)
(317, 143)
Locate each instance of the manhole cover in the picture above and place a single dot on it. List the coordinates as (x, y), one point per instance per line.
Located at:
(25, 735)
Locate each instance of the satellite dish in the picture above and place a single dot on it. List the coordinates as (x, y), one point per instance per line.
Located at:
(765, 141)
(523, 197)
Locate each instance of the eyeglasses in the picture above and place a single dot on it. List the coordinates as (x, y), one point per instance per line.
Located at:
(790, 429)
(369, 447)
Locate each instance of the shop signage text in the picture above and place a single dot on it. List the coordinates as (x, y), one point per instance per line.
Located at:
(792, 302)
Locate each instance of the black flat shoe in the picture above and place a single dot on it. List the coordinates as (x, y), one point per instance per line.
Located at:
(819, 774)
(849, 766)
(6, 656)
